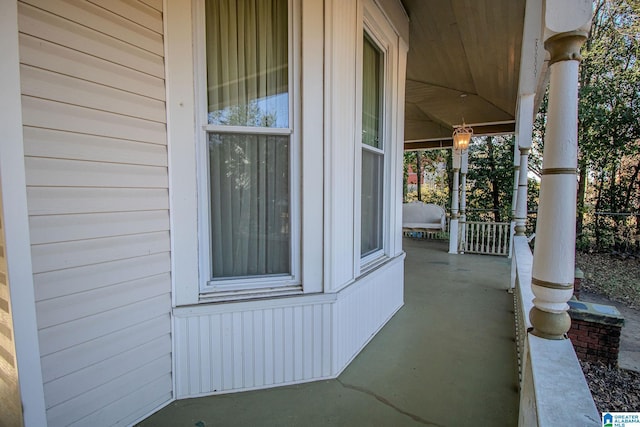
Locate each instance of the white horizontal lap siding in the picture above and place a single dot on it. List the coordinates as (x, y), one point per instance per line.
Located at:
(92, 82)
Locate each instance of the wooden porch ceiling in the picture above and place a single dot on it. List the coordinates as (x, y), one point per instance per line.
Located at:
(463, 61)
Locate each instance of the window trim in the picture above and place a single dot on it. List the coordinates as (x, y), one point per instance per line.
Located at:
(248, 286)
(379, 32)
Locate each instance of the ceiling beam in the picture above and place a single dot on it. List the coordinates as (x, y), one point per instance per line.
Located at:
(427, 145)
(478, 130)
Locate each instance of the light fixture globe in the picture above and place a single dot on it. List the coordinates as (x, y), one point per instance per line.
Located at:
(462, 137)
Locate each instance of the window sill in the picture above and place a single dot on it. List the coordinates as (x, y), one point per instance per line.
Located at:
(271, 301)
(372, 264)
(249, 294)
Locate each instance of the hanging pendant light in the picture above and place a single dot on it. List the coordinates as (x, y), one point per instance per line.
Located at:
(461, 137)
(462, 134)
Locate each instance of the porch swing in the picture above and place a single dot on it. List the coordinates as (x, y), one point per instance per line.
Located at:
(425, 220)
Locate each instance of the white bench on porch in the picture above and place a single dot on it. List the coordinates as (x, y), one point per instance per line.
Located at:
(423, 217)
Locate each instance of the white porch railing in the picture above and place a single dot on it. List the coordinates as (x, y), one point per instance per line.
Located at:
(553, 390)
(487, 238)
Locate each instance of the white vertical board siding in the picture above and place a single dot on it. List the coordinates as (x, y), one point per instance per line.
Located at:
(10, 403)
(340, 136)
(364, 308)
(246, 346)
(259, 344)
(93, 101)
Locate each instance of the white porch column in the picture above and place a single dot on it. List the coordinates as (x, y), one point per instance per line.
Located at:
(463, 195)
(516, 180)
(525, 129)
(464, 168)
(514, 200)
(554, 255)
(455, 196)
(455, 193)
(521, 200)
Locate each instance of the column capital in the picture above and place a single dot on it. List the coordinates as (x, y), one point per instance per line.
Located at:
(565, 46)
(524, 150)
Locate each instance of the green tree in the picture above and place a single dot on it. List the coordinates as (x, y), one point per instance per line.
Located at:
(608, 127)
(609, 114)
(490, 178)
(430, 168)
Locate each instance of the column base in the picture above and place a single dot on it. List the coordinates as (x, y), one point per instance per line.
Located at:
(552, 326)
(453, 236)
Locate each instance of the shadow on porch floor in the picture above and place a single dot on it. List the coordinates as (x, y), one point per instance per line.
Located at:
(447, 358)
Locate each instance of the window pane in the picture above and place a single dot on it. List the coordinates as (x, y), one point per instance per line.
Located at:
(371, 94)
(250, 224)
(247, 62)
(371, 217)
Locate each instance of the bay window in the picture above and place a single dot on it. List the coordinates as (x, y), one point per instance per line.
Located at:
(248, 207)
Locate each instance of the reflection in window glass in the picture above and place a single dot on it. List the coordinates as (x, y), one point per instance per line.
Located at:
(371, 217)
(249, 177)
(371, 98)
(247, 63)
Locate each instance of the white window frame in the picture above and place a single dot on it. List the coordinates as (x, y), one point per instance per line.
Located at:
(246, 287)
(377, 28)
(180, 18)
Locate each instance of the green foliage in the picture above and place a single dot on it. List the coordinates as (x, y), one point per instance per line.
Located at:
(433, 183)
(490, 179)
(437, 196)
(249, 114)
(608, 129)
(609, 126)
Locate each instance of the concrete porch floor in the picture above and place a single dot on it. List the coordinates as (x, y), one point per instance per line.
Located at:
(447, 358)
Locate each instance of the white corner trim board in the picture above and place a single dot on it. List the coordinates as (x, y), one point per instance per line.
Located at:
(14, 202)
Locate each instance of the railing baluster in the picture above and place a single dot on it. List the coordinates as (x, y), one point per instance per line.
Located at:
(493, 238)
(466, 237)
(505, 250)
(473, 238)
(492, 241)
(505, 244)
(477, 239)
(484, 237)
